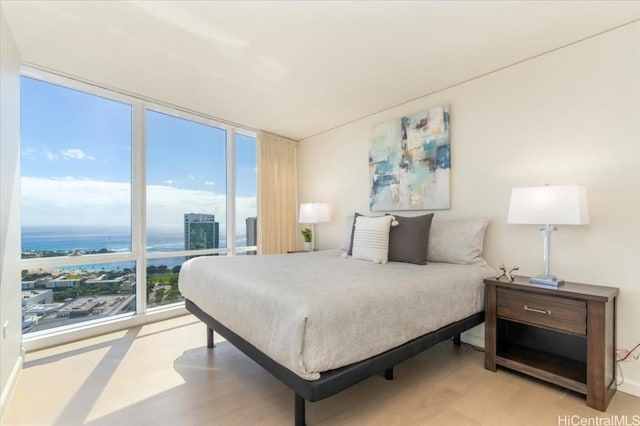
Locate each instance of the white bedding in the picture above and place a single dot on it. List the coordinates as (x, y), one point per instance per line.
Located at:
(319, 311)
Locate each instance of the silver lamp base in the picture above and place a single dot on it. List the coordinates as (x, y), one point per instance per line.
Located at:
(548, 280)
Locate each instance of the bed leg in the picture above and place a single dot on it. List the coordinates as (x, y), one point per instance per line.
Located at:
(209, 337)
(388, 373)
(456, 340)
(300, 419)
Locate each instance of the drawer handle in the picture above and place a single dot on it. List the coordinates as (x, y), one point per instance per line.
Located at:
(538, 311)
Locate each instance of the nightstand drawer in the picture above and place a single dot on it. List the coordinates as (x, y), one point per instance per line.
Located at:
(552, 312)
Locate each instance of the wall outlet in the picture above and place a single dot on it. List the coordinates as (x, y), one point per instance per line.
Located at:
(5, 329)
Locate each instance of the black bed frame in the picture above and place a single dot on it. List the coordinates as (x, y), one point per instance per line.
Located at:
(334, 381)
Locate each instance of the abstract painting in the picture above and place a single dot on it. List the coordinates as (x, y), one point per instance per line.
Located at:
(409, 162)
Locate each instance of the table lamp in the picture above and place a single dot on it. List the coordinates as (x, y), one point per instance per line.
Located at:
(313, 213)
(548, 205)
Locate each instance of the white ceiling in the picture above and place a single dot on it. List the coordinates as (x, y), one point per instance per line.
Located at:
(296, 68)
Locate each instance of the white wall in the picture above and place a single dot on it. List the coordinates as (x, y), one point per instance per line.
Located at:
(10, 311)
(569, 116)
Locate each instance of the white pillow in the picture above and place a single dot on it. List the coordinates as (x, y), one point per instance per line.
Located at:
(371, 238)
(457, 241)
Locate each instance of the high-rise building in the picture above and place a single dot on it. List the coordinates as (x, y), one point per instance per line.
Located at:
(201, 231)
(252, 236)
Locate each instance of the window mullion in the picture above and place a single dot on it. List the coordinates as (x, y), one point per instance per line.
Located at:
(138, 204)
(231, 191)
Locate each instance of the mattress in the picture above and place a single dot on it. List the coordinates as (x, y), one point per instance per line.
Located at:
(319, 311)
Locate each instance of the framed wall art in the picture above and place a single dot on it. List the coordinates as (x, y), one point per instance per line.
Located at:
(410, 164)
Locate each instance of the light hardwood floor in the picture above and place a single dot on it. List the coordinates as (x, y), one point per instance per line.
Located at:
(162, 374)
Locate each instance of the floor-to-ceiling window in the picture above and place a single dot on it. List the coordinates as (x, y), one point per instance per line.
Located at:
(186, 198)
(118, 191)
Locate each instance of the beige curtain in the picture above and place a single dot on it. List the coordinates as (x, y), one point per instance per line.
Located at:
(276, 194)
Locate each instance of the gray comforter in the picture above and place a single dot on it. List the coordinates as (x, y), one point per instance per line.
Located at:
(319, 311)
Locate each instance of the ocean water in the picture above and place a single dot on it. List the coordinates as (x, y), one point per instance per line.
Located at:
(117, 239)
(39, 238)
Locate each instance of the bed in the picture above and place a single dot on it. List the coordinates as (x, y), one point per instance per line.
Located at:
(320, 322)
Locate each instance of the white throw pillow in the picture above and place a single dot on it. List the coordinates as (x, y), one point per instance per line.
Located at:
(371, 238)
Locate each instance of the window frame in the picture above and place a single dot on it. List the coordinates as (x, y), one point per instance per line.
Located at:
(242, 132)
(138, 254)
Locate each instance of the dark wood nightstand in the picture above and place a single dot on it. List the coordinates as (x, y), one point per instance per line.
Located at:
(563, 335)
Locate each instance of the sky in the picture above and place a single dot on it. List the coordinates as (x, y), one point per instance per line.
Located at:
(76, 163)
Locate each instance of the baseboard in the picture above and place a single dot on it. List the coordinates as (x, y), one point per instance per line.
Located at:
(630, 387)
(11, 384)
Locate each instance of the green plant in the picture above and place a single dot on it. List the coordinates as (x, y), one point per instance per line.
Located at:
(306, 234)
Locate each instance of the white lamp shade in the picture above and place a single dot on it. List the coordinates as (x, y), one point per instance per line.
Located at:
(549, 204)
(313, 213)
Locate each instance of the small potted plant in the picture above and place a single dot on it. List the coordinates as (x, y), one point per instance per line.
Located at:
(306, 234)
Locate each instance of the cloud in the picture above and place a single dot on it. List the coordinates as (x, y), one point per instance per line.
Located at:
(67, 154)
(75, 154)
(71, 201)
(210, 183)
(39, 153)
(86, 202)
(166, 205)
(169, 181)
(29, 152)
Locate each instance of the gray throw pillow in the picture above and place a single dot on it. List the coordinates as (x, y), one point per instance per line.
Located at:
(353, 229)
(409, 241)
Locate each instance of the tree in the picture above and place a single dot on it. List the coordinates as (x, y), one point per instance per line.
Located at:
(160, 294)
(173, 295)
